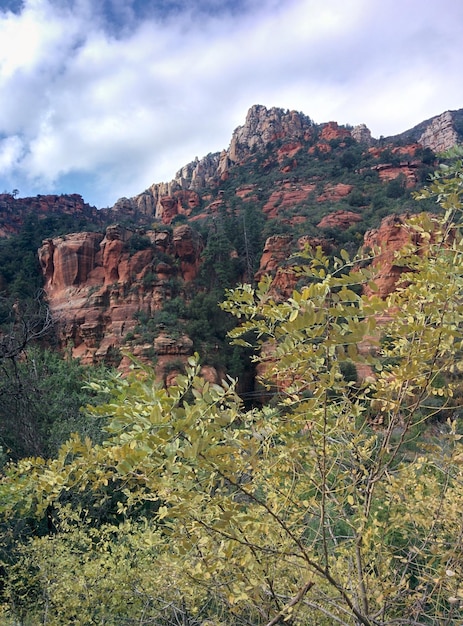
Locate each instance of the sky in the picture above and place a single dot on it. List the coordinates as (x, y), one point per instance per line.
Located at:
(106, 97)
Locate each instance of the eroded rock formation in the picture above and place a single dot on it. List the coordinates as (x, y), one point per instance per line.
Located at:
(362, 134)
(339, 219)
(96, 285)
(286, 195)
(392, 235)
(264, 126)
(440, 134)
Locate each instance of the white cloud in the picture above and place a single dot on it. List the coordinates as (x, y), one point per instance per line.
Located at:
(11, 149)
(117, 105)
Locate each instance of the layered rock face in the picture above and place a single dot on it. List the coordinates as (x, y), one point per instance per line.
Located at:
(286, 195)
(392, 235)
(440, 134)
(277, 250)
(385, 241)
(332, 131)
(96, 286)
(339, 219)
(263, 126)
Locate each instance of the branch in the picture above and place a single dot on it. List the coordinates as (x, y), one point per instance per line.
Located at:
(24, 323)
(297, 598)
(298, 542)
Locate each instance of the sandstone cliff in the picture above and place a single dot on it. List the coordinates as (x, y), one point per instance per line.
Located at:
(384, 242)
(96, 286)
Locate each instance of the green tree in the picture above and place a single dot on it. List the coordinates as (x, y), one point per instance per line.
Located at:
(396, 187)
(220, 266)
(333, 504)
(41, 395)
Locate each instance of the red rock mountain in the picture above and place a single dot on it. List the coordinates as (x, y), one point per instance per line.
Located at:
(293, 130)
(284, 182)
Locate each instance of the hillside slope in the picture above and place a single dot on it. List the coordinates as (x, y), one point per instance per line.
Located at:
(147, 274)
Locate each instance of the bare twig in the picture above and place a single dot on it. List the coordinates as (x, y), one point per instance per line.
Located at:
(297, 598)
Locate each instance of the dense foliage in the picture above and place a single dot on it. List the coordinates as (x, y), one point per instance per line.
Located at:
(41, 395)
(338, 502)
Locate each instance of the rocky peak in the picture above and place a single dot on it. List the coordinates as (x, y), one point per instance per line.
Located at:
(199, 172)
(263, 126)
(440, 134)
(362, 134)
(332, 131)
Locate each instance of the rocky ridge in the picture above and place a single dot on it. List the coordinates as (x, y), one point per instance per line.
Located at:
(306, 183)
(13, 210)
(264, 126)
(182, 195)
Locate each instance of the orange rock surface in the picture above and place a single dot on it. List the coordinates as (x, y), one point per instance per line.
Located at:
(95, 286)
(384, 242)
(333, 193)
(339, 219)
(287, 196)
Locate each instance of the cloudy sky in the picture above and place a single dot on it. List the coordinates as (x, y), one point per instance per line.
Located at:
(106, 97)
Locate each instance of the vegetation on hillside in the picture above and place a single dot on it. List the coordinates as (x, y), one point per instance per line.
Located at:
(338, 502)
(234, 233)
(41, 395)
(342, 161)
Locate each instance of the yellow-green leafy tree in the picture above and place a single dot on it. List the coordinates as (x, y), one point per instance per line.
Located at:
(339, 502)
